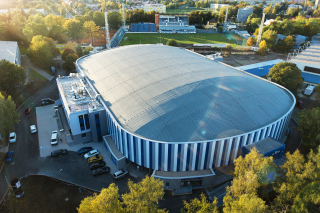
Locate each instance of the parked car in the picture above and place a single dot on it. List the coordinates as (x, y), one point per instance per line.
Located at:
(120, 174)
(101, 170)
(47, 101)
(59, 152)
(9, 156)
(12, 137)
(54, 138)
(84, 150)
(95, 158)
(27, 111)
(91, 154)
(33, 129)
(300, 105)
(97, 164)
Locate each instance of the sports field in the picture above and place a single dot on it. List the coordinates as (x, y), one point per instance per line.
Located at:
(185, 10)
(198, 38)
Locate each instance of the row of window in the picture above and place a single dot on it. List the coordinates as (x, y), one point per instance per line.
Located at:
(84, 122)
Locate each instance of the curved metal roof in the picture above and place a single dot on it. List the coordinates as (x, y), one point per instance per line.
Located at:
(169, 94)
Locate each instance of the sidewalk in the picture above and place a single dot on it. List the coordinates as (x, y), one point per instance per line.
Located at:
(26, 64)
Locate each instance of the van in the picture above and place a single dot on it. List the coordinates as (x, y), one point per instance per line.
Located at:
(54, 138)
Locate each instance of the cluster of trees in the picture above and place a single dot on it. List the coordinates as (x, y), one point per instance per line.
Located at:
(294, 187)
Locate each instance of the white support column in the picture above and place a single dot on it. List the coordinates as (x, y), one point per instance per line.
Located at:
(175, 157)
(107, 30)
(185, 146)
(194, 156)
(236, 148)
(156, 156)
(139, 151)
(131, 147)
(204, 149)
(213, 146)
(229, 151)
(126, 145)
(166, 157)
(147, 154)
(221, 145)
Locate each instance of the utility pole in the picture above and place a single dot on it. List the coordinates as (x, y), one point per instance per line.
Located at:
(123, 16)
(107, 30)
(260, 30)
(226, 18)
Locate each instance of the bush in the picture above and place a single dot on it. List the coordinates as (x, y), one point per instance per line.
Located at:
(172, 42)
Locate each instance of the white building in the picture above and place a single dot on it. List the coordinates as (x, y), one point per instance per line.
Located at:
(217, 6)
(160, 8)
(9, 50)
(25, 10)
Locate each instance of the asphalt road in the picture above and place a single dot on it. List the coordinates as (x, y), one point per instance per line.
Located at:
(26, 160)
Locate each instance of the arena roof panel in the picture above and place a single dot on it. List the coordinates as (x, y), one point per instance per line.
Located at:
(169, 94)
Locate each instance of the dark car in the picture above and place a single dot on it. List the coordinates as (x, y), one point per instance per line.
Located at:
(84, 150)
(59, 152)
(27, 111)
(101, 170)
(9, 156)
(300, 105)
(47, 101)
(97, 164)
(120, 174)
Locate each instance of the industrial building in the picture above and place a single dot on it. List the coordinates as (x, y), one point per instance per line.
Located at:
(159, 8)
(174, 24)
(243, 14)
(171, 110)
(9, 50)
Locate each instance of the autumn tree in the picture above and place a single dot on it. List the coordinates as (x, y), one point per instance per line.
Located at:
(9, 116)
(87, 50)
(309, 125)
(98, 18)
(144, 196)
(262, 48)
(202, 205)
(11, 76)
(251, 175)
(69, 61)
(270, 36)
(114, 19)
(106, 201)
(296, 181)
(251, 41)
(288, 75)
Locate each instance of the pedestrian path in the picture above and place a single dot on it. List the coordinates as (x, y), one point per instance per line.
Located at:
(26, 64)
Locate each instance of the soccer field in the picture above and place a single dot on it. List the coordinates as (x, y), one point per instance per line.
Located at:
(198, 38)
(184, 10)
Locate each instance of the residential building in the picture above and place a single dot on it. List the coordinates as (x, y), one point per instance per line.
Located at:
(243, 14)
(159, 8)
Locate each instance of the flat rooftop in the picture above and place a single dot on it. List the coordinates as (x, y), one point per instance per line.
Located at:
(8, 50)
(78, 94)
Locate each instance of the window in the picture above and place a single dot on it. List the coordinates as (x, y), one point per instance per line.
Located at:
(167, 184)
(86, 119)
(96, 116)
(84, 135)
(98, 125)
(81, 122)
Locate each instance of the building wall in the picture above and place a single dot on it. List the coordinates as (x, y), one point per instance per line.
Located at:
(187, 156)
(160, 8)
(243, 14)
(18, 56)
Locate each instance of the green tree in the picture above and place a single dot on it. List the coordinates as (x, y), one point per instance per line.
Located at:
(73, 28)
(87, 50)
(270, 36)
(318, 92)
(114, 19)
(69, 61)
(251, 175)
(308, 200)
(3, 30)
(98, 18)
(106, 201)
(35, 26)
(144, 196)
(288, 75)
(79, 50)
(91, 29)
(309, 125)
(220, 29)
(172, 42)
(9, 116)
(316, 14)
(67, 51)
(289, 42)
(11, 76)
(202, 205)
(251, 41)
(41, 51)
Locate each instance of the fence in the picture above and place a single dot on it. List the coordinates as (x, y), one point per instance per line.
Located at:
(235, 37)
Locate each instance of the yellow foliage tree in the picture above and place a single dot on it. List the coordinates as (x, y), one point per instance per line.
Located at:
(202, 205)
(251, 41)
(262, 48)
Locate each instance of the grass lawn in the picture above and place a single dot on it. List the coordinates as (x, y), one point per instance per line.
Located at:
(199, 38)
(34, 75)
(43, 194)
(185, 11)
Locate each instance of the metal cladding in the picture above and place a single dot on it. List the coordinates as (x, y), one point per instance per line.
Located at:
(173, 110)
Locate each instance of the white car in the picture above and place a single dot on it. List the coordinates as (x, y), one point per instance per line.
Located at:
(91, 154)
(33, 129)
(12, 137)
(54, 138)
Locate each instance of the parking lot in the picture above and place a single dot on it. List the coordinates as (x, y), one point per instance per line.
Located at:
(47, 122)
